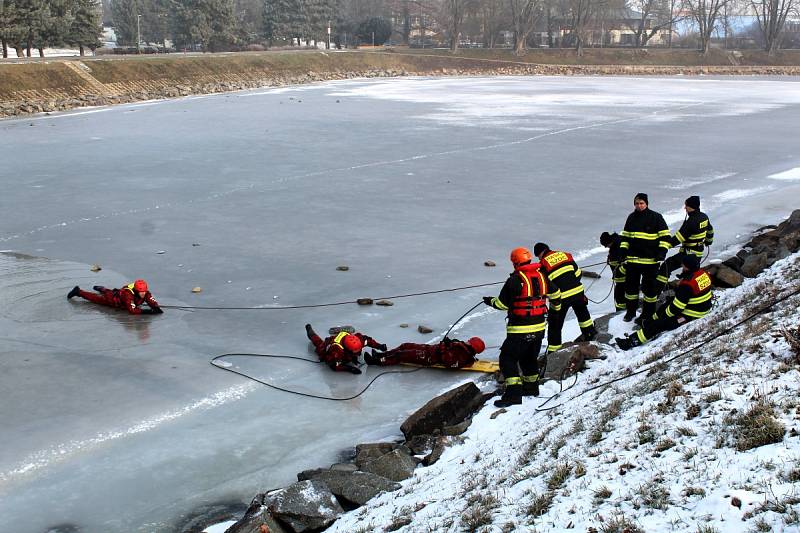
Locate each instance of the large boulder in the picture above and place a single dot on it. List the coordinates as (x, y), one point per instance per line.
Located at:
(562, 363)
(725, 276)
(755, 264)
(257, 515)
(395, 466)
(449, 409)
(304, 506)
(371, 451)
(356, 488)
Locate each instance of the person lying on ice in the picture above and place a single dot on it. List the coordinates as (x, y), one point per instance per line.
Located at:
(451, 353)
(341, 351)
(130, 297)
(692, 300)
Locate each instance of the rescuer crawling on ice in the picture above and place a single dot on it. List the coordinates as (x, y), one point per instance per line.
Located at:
(340, 352)
(130, 297)
(524, 298)
(451, 353)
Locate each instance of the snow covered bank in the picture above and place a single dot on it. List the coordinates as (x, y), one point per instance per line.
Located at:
(708, 442)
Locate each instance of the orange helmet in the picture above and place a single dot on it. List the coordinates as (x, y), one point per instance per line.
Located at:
(520, 255)
(477, 343)
(352, 343)
(140, 285)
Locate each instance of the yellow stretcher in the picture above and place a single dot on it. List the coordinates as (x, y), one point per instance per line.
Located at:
(489, 367)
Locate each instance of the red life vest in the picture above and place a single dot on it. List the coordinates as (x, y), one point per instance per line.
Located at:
(531, 301)
(700, 282)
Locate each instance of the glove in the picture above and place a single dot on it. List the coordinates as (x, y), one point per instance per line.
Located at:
(487, 300)
(349, 367)
(149, 311)
(381, 347)
(447, 341)
(157, 311)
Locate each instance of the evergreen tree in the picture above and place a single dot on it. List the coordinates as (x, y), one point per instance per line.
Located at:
(124, 14)
(285, 20)
(32, 18)
(155, 20)
(210, 23)
(86, 27)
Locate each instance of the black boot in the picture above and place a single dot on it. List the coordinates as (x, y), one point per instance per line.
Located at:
(373, 358)
(73, 293)
(530, 388)
(589, 335)
(626, 343)
(629, 315)
(99, 288)
(506, 401)
(309, 331)
(639, 319)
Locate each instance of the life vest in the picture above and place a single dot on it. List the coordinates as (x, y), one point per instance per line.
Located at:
(699, 303)
(531, 301)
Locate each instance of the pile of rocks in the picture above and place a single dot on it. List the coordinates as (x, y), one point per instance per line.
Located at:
(771, 244)
(321, 495)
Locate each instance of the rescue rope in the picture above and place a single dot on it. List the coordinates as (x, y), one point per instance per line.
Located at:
(462, 318)
(347, 302)
(681, 354)
(298, 358)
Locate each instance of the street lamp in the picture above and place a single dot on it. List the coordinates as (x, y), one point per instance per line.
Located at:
(138, 34)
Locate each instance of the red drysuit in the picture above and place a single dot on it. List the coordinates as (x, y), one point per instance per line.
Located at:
(335, 355)
(124, 298)
(451, 353)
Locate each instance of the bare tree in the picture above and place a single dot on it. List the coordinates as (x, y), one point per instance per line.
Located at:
(524, 16)
(653, 16)
(707, 14)
(582, 14)
(771, 15)
(454, 15)
(493, 18)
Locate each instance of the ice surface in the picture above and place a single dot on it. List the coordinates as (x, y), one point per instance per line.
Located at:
(120, 423)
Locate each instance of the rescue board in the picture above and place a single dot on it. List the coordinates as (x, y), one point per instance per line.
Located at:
(489, 367)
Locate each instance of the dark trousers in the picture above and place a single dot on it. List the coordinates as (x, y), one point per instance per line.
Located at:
(644, 276)
(519, 352)
(652, 327)
(555, 320)
(670, 265)
(619, 288)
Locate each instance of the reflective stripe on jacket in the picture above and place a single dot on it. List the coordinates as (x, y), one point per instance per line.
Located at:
(561, 270)
(692, 296)
(646, 238)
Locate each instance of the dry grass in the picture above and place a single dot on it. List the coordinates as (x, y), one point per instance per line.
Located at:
(559, 476)
(620, 524)
(540, 504)
(479, 512)
(654, 494)
(611, 411)
(601, 495)
(754, 428)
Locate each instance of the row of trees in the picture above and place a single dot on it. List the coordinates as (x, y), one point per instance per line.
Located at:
(27, 25)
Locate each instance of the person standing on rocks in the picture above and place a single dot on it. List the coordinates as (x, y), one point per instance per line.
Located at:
(563, 272)
(340, 352)
(130, 297)
(523, 297)
(692, 300)
(645, 241)
(612, 241)
(694, 235)
(451, 353)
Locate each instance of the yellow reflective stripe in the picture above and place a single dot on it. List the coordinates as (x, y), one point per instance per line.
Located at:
(665, 244)
(651, 299)
(553, 347)
(338, 339)
(555, 295)
(663, 233)
(586, 323)
(527, 283)
(644, 236)
(641, 336)
(698, 236)
(698, 253)
(571, 292)
(669, 311)
(662, 279)
(563, 270)
(703, 224)
(619, 280)
(642, 261)
(496, 303)
(620, 305)
(531, 379)
(529, 328)
(624, 246)
(700, 299)
(679, 236)
(556, 307)
(678, 304)
(632, 296)
(578, 272)
(514, 381)
(694, 314)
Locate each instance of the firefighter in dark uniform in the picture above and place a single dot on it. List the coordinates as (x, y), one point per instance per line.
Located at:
(612, 241)
(694, 235)
(523, 296)
(563, 273)
(692, 300)
(645, 241)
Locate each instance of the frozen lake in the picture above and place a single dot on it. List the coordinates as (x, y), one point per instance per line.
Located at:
(113, 423)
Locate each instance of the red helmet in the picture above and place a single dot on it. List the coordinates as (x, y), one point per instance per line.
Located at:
(477, 343)
(140, 285)
(520, 255)
(352, 343)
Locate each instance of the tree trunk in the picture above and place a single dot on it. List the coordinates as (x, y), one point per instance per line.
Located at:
(41, 52)
(579, 46)
(80, 47)
(519, 45)
(5, 48)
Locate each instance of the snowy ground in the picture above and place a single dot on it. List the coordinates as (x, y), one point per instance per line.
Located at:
(656, 452)
(413, 183)
(51, 52)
